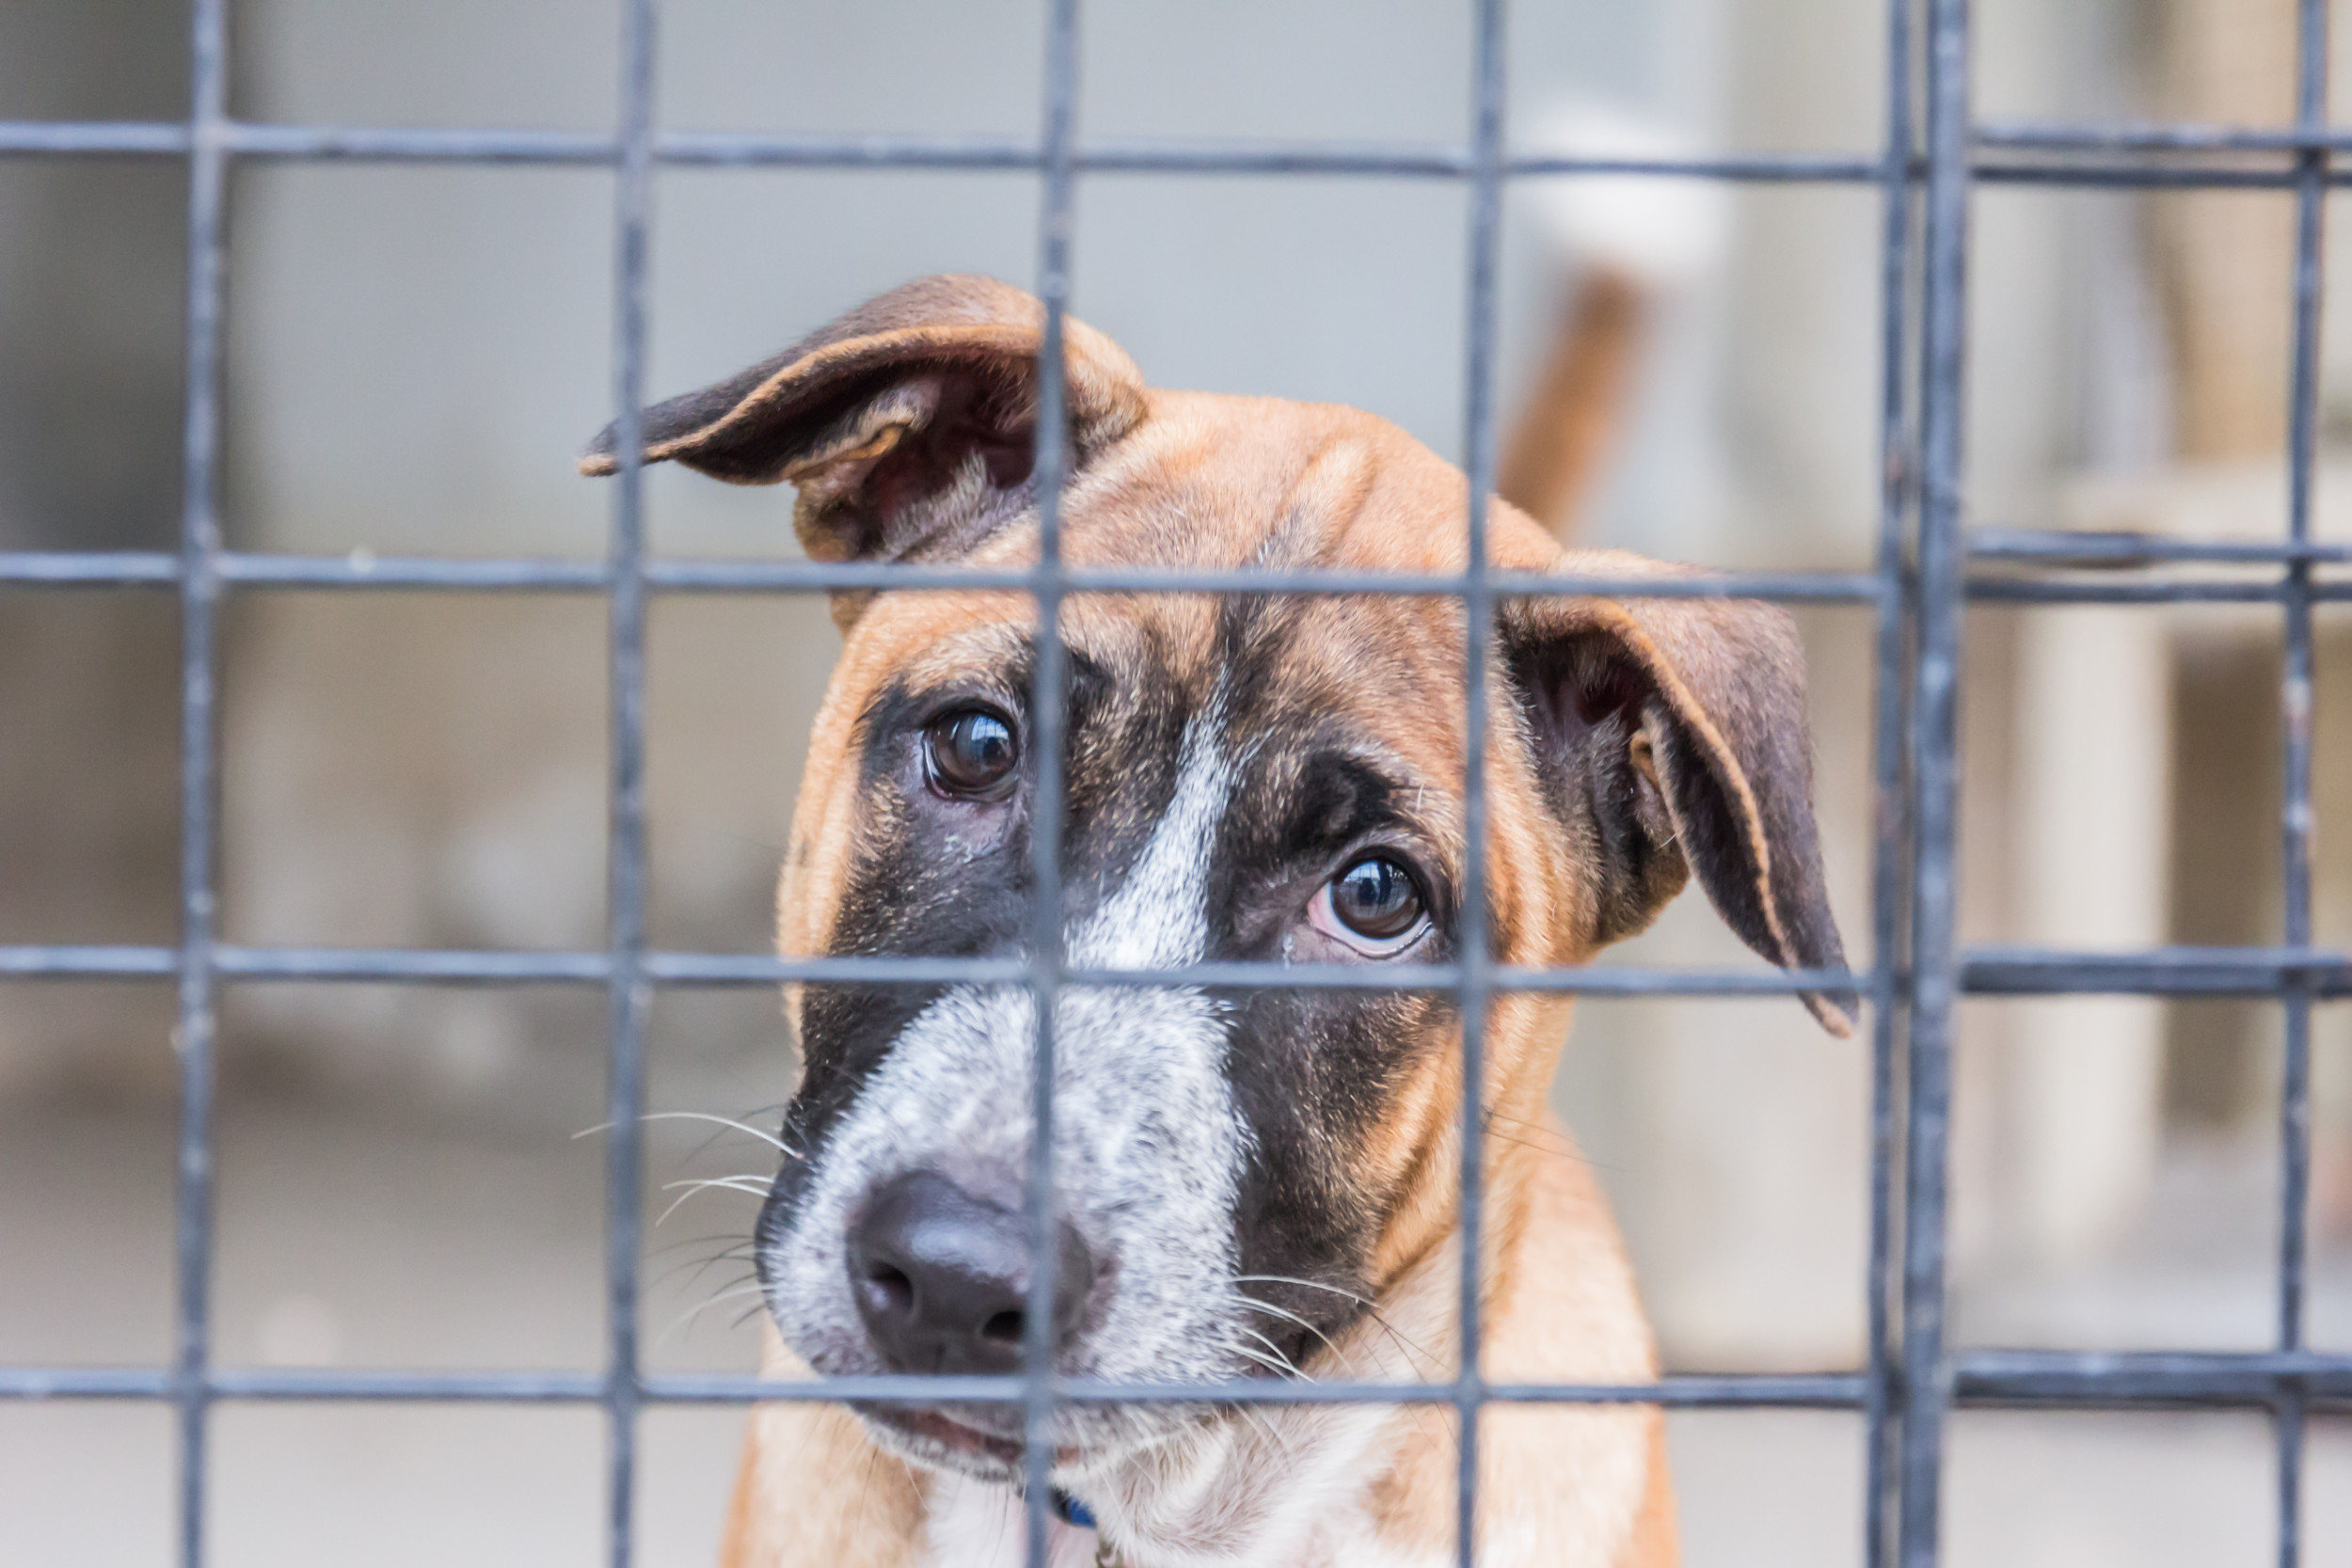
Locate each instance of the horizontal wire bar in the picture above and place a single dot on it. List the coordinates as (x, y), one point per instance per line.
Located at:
(2092, 1378)
(90, 568)
(428, 966)
(416, 966)
(1179, 156)
(1835, 1389)
(72, 962)
(273, 1385)
(2111, 549)
(363, 570)
(87, 1383)
(20, 137)
(753, 969)
(788, 150)
(2130, 175)
(1830, 1390)
(1984, 972)
(2161, 972)
(2001, 1378)
(1996, 590)
(2147, 136)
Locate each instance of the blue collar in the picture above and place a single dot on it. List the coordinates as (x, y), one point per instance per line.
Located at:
(1070, 1511)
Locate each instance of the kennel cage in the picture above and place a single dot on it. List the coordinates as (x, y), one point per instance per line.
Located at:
(1919, 590)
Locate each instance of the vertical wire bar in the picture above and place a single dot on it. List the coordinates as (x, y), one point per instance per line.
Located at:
(625, 842)
(1935, 780)
(1888, 872)
(1478, 618)
(195, 1035)
(1048, 713)
(2295, 707)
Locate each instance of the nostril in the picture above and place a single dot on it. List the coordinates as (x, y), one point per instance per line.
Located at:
(1005, 1328)
(889, 1289)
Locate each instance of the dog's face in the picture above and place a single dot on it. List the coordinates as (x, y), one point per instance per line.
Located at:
(1277, 779)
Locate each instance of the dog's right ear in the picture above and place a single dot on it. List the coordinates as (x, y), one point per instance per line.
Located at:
(908, 425)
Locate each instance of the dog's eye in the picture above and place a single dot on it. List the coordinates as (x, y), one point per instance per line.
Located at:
(971, 755)
(1377, 898)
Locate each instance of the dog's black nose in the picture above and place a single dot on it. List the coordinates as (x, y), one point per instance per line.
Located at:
(942, 1278)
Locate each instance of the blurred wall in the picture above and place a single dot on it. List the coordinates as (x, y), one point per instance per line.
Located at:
(92, 286)
(93, 256)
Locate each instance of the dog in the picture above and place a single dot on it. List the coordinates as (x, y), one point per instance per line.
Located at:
(1253, 1182)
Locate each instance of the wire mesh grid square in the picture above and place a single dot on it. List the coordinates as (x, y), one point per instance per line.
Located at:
(1934, 152)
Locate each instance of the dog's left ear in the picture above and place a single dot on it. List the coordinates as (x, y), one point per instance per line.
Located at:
(1671, 737)
(908, 425)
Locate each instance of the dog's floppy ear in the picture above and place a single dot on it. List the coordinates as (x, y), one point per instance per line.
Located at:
(907, 425)
(1671, 737)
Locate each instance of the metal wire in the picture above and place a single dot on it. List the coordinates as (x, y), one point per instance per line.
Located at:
(1890, 717)
(1934, 803)
(628, 995)
(2014, 153)
(2295, 704)
(1478, 605)
(195, 1035)
(1917, 589)
(1049, 703)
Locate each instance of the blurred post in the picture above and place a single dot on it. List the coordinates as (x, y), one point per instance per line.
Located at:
(2091, 803)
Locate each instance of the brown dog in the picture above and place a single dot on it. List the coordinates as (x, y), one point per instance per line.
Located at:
(1256, 1182)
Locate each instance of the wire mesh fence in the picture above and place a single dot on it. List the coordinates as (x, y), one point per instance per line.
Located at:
(1928, 567)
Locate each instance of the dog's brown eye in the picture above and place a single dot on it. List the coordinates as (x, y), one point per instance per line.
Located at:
(971, 753)
(1376, 897)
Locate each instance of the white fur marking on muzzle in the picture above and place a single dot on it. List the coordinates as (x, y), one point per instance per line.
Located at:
(1148, 1145)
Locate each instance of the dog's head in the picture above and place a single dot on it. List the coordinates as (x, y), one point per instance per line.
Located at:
(1267, 778)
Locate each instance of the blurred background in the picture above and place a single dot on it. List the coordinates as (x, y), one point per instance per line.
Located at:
(416, 353)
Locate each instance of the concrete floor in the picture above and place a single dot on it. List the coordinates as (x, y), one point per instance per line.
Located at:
(378, 1240)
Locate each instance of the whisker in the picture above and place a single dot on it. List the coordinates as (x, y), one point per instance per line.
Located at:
(1309, 1284)
(741, 1254)
(1347, 1364)
(749, 1185)
(703, 1148)
(1371, 1311)
(1279, 1366)
(770, 1139)
(738, 1247)
(701, 1306)
(1288, 1367)
(1416, 1357)
(757, 1185)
